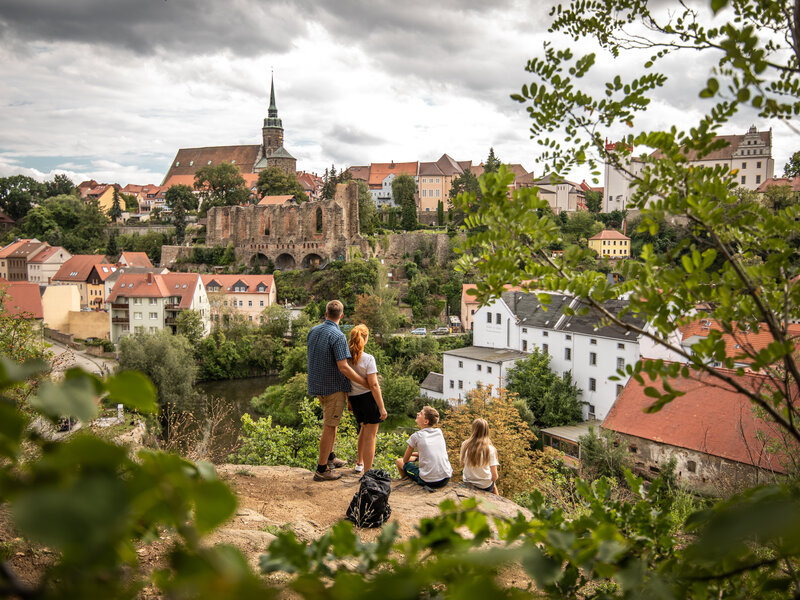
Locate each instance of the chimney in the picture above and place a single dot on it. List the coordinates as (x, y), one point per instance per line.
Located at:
(149, 279)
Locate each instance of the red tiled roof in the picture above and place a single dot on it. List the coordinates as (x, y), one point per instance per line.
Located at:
(4, 218)
(470, 299)
(23, 299)
(792, 182)
(588, 188)
(725, 153)
(150, 285)
(46, 253)
(187, 180)
(81, 265)
(273, 200)
(739, 341)
(610, 234)
(104, 271)
(711, 417)
(361, 173)
(135, 259)
(226, 282)
(380, 171)
(188, 160)
(13, 247)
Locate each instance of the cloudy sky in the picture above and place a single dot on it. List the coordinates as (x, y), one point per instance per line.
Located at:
(110, 89)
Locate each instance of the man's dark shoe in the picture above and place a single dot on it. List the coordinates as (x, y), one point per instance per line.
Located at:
(336, 463)
(326, 475)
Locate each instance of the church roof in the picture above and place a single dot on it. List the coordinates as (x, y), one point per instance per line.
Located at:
(281, 153)
(188, 160)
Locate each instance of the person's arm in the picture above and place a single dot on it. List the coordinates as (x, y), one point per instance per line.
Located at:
(493, 468)
(348, 371)
(375, 388)
(407, 455)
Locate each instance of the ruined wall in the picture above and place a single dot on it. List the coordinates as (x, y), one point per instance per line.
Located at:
(394, 247)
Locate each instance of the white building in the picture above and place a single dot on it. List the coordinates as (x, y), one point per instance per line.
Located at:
(149, 302)
(511, 326)
(750, 155)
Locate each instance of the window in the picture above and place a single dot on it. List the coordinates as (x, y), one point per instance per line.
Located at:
(152, 329)
(592, 358)
(249, 303)
(758, 166)
(153, 301)
(524, 345)
(138, 329)
(488, 369)
(620, 364)
(591, 412)
(460, 364)
(632, 449)
(545, 348)
(137, 300)
(137, 315)
(619, 389)
(592, 384)
(621, 346)
(744, 180)
(744, 166)
(593, 342)
(567, 353)
(498, 319)
(261, 303)
(452, 384)
(758, 178)
(489, 318)
(524, 330)
(545, 333)
(478, 367)
(460, 384)
(691, 466)
(153, 315)
(568, 336)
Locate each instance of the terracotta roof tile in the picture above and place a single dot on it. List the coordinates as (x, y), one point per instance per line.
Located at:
(739, 342)
(273, 200)
(792, 182)
(188, 160)
(226, 282)
(135, 259)
(380, 171)
(610, 234)
(81, 265)
(46, 253)
(711, 417)
(23, 299)
(150, 285)
(725, 153)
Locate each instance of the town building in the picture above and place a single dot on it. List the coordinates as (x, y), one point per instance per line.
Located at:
(472, 367)
(14, 258)
(562, 195)
(79, 270)
(43, 265)
(245, 295)
(747, 156)
(22, 299)
(718, 441)
(6, 222)
(134, 259)
(149, 302)
(610, 243)
(250, 158)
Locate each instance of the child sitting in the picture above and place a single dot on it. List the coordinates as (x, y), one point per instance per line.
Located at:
(428, 447)
(479, 458)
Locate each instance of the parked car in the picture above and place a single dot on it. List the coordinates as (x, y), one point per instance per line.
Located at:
(440, 331)
(419, 331)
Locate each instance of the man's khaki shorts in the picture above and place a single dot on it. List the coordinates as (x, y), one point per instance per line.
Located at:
(332, 408)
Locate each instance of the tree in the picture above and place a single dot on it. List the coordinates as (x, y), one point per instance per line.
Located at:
(17, 195)
(399, 392)
(404, 189)
(377, 308)
(467, 183)
(131, 203)
(274, 181)
(367, 211)
(275, 321)
(70, 222)
(792, 166)
(112, 249)
(167, 360)
(594, 201)
(552, 398)
(189, 324)
(115, 212)
(492, 163)
(183, 193)
(220, 185)
(440, 213)
(59, 185)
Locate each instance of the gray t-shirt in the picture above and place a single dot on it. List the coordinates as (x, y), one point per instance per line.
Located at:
(433, 462)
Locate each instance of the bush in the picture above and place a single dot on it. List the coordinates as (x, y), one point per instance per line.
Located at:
(399, 393)
(603, 456)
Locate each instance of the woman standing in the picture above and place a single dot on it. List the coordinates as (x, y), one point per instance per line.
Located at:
(366, 404)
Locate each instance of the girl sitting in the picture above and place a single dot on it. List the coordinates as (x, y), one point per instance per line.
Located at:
(479, 458)
(366, 404)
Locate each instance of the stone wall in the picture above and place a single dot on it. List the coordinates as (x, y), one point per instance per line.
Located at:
(84, 324)
(394, 247)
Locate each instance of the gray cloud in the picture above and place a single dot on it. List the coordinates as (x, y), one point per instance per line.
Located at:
(345, 134)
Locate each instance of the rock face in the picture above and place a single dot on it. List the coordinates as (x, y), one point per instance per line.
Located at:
(273, 498)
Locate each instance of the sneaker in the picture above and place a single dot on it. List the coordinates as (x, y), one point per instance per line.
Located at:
(326, 475)
(358, 468)
(336, 463)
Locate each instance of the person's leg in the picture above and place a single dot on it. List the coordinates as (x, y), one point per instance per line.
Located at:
(326, 442)
(399, 463)
(370, 431)
(361, 438)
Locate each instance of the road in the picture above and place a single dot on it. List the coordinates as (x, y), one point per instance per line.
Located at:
(65, 358)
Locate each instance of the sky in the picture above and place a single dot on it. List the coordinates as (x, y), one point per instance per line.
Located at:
(111, 89)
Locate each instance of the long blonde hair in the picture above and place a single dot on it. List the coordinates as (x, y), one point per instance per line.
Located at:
(475, 451)
(358, 339)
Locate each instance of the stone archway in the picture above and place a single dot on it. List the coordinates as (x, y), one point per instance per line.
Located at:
(259, 259)
(312, 261)
(285, 261)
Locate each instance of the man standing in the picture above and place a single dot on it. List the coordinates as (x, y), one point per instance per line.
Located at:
(329, 376)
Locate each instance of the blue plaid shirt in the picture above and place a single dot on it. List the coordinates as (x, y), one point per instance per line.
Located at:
(327, 345)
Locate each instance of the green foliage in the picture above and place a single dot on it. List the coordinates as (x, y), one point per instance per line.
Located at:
(274, 181)
(70, 222)
(180, 199)
(115, 212)
(295, 361)
(189, 324)
(399, 393)
(275, 321)
(236, 350)
(552, 398)
(792, 166)
(263, 443)
(20, 340)
(492, 163)
(419, 366)
(220, 185)
(404, 188)
(18, 193)
(149, 242)
(367, 211)
(282, 403)
(440, 213)
(168, 360)
(60, 184)
(594, 201)
(603, 455)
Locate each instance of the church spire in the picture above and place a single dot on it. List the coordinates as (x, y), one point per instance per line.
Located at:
(272, 119)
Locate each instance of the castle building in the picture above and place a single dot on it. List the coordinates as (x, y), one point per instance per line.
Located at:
(250, 158)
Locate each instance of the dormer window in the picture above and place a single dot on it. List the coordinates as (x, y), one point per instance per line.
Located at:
(191, 163)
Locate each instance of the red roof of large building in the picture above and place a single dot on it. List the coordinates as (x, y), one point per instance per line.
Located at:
(78, 267)
(740, 343)
(792, 182)
(22, 299)
(135, 259)
(711, 417)
(151, 285)
(274, 200)
(47, 253)
(104, 271)
(380, 171)
(228, 282)
(610, 234)
(21, 248)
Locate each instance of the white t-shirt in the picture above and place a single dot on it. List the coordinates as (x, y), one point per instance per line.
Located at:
(481, 476)
(433, 462)
(366, 366)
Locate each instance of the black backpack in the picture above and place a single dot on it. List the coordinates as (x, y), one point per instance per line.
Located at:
(370, 504)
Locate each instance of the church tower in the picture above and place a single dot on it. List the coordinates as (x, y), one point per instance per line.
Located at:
(273, 128)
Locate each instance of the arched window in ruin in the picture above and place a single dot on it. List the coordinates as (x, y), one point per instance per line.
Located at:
(266, 227)
(319, 220)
